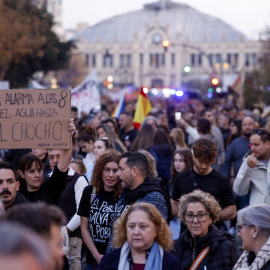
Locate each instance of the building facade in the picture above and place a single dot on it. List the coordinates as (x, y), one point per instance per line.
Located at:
(129, 47)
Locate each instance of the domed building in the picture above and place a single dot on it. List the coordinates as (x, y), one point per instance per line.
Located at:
(130, 48)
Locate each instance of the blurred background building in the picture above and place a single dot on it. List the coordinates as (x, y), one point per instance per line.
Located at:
(54, 7)
(130, 48)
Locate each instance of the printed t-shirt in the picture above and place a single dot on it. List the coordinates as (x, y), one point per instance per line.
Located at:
(101, 214)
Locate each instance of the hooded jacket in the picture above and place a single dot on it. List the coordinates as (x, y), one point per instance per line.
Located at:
(222, 254)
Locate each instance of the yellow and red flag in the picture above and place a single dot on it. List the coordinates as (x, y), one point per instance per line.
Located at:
(142, 109)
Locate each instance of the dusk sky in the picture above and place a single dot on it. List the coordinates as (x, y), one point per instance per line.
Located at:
(248, 16)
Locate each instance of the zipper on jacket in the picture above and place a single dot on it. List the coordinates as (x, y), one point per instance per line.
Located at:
(193, 250)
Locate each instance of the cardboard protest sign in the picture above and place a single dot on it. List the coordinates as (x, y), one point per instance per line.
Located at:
(32, 118)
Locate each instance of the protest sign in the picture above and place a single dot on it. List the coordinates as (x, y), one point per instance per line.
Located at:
(32, 118)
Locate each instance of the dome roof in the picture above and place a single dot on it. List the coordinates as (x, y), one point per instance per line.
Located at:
(180, 19)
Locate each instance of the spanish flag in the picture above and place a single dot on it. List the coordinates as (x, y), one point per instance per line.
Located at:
(142, 109)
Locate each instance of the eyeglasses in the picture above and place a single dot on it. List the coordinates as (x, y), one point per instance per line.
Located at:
(264, 134)
(240, 226)
(200, 217)
(258, 131)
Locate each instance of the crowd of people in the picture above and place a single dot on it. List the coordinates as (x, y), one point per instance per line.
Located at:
(172, 195)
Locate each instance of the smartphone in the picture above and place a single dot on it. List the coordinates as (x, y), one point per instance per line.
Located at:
(177, 115)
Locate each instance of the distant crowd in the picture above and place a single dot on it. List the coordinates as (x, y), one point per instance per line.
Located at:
(172, 195)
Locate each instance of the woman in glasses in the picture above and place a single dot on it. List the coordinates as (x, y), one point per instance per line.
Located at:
(254, 229)
(202, 245)
(97, 206)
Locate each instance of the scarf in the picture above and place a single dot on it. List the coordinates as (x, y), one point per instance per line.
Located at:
(260, 261)
(148, 185)
(154, 260)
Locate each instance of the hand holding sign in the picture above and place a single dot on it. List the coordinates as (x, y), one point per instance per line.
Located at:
(35, 119)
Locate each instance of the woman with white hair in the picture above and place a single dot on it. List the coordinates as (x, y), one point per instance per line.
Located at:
(254, 229)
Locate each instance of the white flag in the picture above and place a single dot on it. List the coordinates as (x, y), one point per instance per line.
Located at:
(86, 96)
(37, 85)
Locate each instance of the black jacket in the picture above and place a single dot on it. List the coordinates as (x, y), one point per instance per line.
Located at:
(222, 254)
(49, 191)
(111, 260)
(19, 200)
(148, 185)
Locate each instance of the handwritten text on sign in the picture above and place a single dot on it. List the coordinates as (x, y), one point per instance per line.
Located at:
(34, 119)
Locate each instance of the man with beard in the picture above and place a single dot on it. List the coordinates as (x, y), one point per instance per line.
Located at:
(9, 186)
(138, 187)
(202, 176)
(253, 175)
(235, 153)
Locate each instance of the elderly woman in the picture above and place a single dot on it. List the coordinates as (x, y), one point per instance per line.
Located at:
(143, 238)
(254, 229)
(202, 244)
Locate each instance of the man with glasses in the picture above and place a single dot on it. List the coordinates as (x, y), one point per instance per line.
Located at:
(202, 176)
(254, 173)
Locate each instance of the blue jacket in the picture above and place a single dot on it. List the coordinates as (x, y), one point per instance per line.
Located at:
(234, 155)
(111, 260)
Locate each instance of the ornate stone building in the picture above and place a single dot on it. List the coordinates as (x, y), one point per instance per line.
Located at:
(129, 46)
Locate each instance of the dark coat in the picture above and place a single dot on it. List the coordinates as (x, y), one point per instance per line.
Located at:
(111, 260)
(163, 157)
(222, 254)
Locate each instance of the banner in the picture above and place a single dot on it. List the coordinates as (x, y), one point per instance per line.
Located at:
(86, 96)
(32, 118)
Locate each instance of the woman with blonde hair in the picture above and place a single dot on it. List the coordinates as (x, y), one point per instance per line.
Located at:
(152, 171)
(78, 166)
(104, 131)
(202, 245)
(178, 137)
(142, 238)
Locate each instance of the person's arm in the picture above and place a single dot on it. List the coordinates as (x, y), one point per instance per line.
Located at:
(88, 239)
(228, 213)
(192, 132)
(226, 167)
(175, 207)
(242, 181)
(65, 155)
(75, 221)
